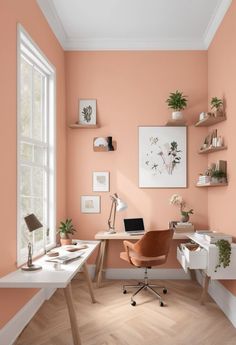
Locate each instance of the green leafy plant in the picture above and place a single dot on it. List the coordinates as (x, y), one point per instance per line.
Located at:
(218, 174)
(224, 253)
(216, 103)
(66, 228)
(187, 213)
(177, 101)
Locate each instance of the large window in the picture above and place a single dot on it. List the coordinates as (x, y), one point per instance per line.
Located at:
(36, 147)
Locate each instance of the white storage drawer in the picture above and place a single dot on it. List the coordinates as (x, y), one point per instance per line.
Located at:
(182, 260)
(195, 259)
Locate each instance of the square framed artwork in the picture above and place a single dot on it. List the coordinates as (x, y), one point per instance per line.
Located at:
(87, 111)
(162, 157)
(90, 204)
(101, 181)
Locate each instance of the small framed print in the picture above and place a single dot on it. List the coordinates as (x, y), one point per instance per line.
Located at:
(90, 204)
(101, 181)
(87, 111)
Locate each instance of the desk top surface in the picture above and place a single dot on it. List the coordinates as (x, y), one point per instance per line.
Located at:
(48, 276)
(122, 235)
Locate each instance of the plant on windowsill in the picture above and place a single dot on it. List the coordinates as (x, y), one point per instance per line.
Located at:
(224, 253)
(65, 230)
(177, 101)
(177, 200)
(217, 106)
(218, 176)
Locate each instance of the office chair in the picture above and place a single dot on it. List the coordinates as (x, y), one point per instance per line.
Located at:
(151, 250)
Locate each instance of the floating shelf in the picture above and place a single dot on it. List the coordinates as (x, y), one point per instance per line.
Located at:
(77, 126)
(212, 185)
(176, 123)
(212, 149)
(210, 121)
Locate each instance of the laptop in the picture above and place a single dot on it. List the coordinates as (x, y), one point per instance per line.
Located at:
(134, 226)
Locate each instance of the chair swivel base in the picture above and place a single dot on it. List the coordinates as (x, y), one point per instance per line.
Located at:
(142, 286)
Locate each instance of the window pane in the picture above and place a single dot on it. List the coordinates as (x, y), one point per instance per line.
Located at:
(39, 155)
(25, 99)
(37, 106)
(38, 182)
(25, 180)
(26, 151)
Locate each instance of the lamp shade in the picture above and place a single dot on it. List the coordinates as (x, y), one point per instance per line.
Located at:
(120, 205)
(32, 222)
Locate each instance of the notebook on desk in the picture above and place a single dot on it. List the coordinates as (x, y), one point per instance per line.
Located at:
(134, 226)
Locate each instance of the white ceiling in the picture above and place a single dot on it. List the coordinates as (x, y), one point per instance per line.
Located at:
(134, 24)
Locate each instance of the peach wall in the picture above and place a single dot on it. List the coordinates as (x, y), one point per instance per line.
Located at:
(131, 89)
(221, 83)
(29, 15)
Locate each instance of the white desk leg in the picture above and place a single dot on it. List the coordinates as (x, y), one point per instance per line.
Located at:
(204, 289)
(103, 253)
(72, 315)
(87, 277)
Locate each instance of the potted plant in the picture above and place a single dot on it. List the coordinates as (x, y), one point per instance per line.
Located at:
(177, 200)
(65, 230)
(217, 106)
(177, 101)
(224, 253)
(218, 176)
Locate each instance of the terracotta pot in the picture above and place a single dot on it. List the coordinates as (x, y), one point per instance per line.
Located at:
(65, 241)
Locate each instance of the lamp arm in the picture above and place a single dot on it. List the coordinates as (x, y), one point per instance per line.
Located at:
(29, 261)
(110, 215)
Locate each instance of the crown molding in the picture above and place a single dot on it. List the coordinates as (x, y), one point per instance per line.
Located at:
(50, 13)
(215, 22)
(129, 44)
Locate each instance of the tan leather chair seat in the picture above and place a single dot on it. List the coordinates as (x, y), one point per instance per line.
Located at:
(143, 261)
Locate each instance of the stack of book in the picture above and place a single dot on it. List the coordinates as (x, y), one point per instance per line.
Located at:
(180, 227)
(203, 179)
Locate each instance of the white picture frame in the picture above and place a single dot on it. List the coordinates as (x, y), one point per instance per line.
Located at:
(101, 181)
(87, 111)
(90, 204)
(162, 157)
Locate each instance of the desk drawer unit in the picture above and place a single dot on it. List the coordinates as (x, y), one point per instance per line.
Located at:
(193, 259)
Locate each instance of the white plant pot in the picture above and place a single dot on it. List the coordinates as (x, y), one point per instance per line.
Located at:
(177, 115)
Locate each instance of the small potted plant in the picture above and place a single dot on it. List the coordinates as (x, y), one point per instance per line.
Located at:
(217, 106)
(218, 176)
(177, 200)
(65, 230)
(177, 101)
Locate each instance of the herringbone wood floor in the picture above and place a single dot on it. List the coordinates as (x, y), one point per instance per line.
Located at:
(113, 321)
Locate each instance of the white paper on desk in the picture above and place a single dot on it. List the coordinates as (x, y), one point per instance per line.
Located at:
(66, 258)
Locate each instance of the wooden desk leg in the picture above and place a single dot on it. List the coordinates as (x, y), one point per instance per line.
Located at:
(86, 273)
(98, 262)
(103, 253)
(204, 289)
(72, 315)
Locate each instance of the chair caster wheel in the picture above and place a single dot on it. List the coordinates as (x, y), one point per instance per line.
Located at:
(161, 304)
(133, 303)
(124, 292)
(165, 291)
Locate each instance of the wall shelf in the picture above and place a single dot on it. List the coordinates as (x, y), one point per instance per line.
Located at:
(77, 126)
(212, 149)
(210, 121)
(176, 123)
(212, 185)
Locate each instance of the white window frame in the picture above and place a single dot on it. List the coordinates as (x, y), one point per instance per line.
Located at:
(27, 47)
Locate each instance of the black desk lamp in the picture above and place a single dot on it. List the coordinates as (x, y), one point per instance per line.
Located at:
(32, 223)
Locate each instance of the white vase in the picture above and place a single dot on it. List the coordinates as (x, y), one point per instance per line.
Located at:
(177, 115)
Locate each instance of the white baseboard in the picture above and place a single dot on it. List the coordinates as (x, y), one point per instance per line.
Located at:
(222, 296)
(154, 273)
(10, 332)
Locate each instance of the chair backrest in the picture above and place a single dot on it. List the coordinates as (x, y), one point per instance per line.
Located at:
(154, 243)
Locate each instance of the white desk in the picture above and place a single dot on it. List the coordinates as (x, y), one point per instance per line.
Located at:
(104, 237)
(49, 277)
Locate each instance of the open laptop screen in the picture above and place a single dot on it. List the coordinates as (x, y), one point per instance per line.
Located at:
(134, 224)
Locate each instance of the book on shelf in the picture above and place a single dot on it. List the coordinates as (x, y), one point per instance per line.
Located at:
(216, 236)
(66, 258)
(181, 227)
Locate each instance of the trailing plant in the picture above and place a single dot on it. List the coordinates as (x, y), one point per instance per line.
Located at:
(218, 174)
(177, 101)
(224, 253)
(66, 228)
(216, 103)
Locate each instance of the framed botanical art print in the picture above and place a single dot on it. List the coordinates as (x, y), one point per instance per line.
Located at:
(90, 204)
(87, 111)
(101, 181)
(162, 157)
